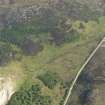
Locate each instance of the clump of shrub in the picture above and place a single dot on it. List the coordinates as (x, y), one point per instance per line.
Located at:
(32, 96)
(5, 51)
(49, 79)
(43, 100)
(30, 47)
(8, 52)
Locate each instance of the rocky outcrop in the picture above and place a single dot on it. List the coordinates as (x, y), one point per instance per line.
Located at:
(6, 90)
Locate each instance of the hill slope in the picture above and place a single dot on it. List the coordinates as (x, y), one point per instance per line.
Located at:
(43, 46)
